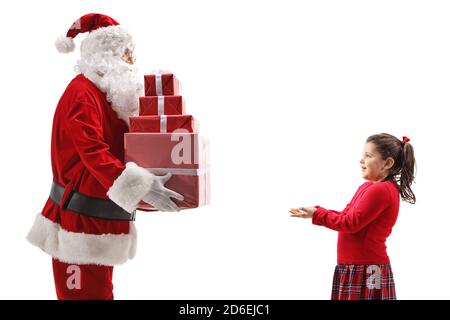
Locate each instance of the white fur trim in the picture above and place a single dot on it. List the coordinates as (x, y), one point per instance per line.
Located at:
(113, 38)
(131, 186)
(82, 248)
(65, 44)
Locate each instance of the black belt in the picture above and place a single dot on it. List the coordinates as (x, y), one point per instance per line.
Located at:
(90, 206)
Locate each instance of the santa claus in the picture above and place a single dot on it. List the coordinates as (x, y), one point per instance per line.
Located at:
(87, 223)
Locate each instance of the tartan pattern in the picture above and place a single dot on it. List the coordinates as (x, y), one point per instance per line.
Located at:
(363, 282)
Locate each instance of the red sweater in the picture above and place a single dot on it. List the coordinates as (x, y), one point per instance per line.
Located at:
(364, 224)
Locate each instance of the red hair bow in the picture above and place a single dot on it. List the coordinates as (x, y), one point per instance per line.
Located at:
(406, 139)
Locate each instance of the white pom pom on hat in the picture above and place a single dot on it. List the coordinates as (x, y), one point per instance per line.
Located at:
(87, 23)
(65, 44)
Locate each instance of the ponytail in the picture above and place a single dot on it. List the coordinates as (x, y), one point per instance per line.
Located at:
(407, 173)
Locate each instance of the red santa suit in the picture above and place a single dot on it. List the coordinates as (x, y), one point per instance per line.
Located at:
(87, 156)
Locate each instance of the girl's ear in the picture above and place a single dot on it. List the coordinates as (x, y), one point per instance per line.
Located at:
(389, 163)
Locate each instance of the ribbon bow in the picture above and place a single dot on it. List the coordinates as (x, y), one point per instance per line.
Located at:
(406, 139)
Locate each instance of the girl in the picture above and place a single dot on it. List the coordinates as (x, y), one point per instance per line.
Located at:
(363, 270)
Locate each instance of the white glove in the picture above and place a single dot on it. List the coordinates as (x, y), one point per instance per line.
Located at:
(159, 196)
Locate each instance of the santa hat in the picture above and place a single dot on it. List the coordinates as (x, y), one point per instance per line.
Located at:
(103, 29)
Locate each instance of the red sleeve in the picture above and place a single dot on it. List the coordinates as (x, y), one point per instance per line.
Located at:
(373, 202)
(86, 130)
(343, 212)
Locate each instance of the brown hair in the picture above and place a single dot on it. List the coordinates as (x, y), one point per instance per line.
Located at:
(403, 170)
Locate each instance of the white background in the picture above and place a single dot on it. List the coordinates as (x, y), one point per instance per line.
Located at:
(287, 92)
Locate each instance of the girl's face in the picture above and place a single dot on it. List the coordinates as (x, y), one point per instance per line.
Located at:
(374, 168)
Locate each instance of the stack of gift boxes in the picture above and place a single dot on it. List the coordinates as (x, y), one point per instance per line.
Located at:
(163, 138)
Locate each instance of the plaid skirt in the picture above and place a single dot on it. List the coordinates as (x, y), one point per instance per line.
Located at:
(363, 282)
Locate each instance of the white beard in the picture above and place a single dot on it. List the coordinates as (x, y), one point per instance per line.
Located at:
(116, 78)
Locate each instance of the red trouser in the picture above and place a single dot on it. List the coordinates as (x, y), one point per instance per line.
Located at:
(80, 282)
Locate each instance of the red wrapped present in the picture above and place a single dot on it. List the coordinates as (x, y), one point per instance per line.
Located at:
(161, 105)
(167, 150)
(165, 84)
(163, 123)
(185, 155)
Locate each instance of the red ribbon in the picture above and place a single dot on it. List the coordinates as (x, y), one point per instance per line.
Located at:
(406, 139)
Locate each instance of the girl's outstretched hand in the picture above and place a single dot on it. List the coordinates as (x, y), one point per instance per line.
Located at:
(303, 212)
